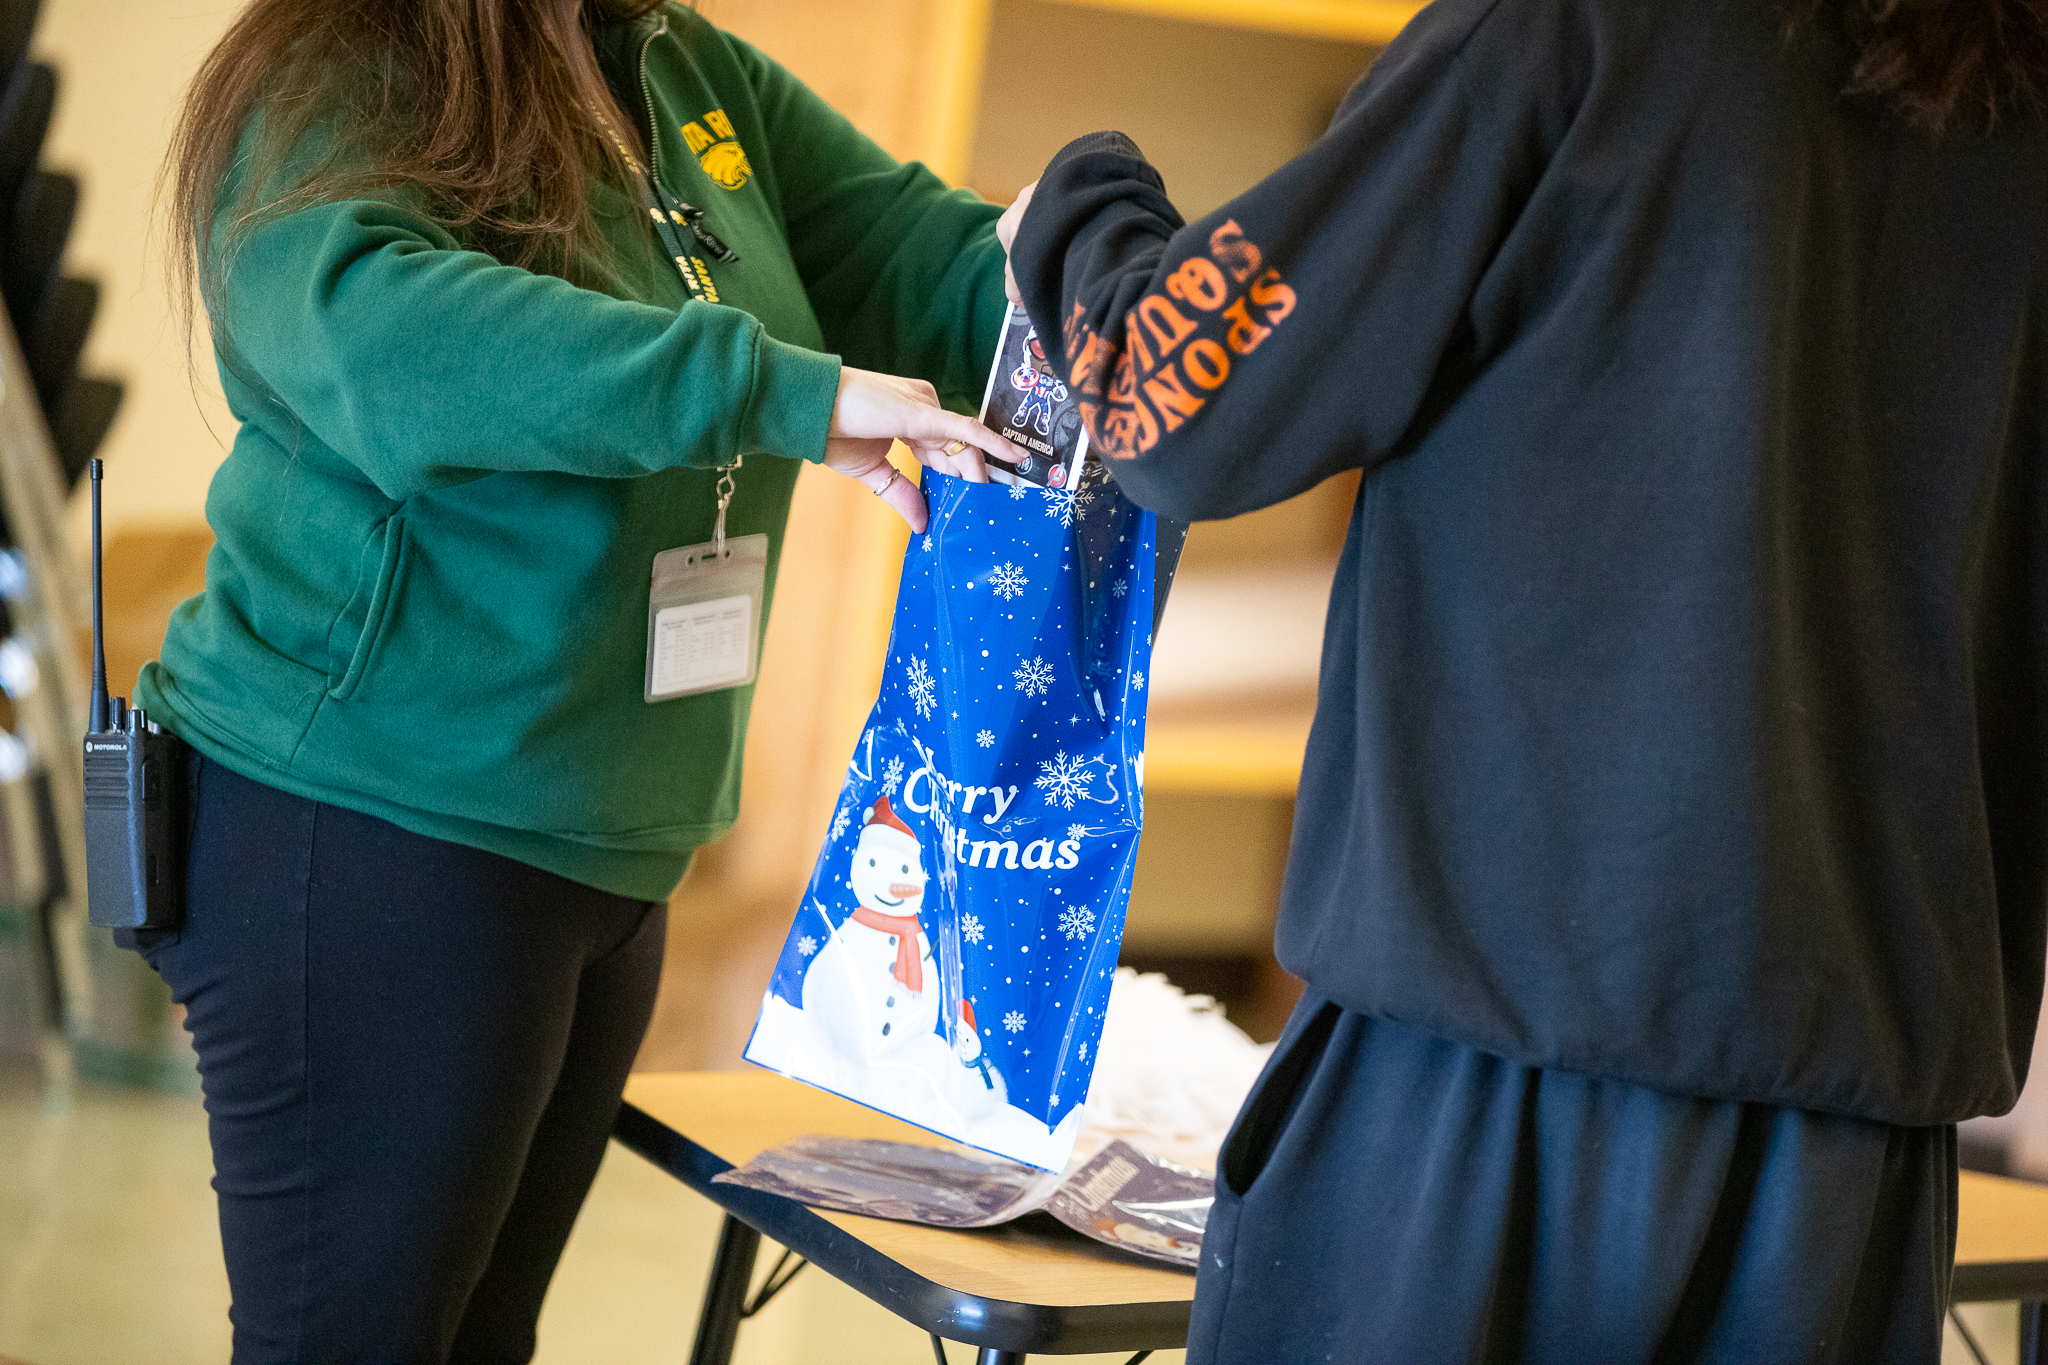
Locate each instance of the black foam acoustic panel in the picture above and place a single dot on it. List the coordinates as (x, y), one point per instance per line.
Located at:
(80, 423)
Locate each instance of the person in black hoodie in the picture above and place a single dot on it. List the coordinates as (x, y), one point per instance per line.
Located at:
(1671, 851)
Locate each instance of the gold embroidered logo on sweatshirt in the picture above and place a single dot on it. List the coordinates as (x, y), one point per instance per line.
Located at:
(718, 151)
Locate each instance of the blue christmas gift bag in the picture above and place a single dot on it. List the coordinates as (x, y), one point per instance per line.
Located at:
(951, 961)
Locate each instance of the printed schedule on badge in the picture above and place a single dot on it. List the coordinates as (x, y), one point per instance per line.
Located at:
(702, 644)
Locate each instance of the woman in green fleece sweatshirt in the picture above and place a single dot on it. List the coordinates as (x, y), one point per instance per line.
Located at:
(501, 290)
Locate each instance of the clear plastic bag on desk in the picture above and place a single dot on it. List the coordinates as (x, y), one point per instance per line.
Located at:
(943, 1187)
(1123, 1198)
(1139, 1203)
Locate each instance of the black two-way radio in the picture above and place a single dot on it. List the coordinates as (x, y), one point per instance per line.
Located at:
(134, 782)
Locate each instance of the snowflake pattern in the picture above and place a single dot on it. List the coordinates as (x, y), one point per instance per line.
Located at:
(1059, 505)
(924, 691)
(1033, 676)
(1077, 921)
(1080, 915)
(1065, 779)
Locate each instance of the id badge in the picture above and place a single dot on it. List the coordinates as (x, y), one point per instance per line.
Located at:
(704, 617)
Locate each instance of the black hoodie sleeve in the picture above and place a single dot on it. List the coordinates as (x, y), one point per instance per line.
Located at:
(1302, 328)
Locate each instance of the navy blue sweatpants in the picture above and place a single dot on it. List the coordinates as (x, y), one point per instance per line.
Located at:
(412, 1053)
(1391, 1197)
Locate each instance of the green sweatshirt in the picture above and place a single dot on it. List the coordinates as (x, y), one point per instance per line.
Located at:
(428, 600)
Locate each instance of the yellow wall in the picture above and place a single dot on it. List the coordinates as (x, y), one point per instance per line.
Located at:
(121, 65)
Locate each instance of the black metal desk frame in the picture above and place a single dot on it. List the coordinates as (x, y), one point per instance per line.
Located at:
(1005, 1332)
(2026, 1281)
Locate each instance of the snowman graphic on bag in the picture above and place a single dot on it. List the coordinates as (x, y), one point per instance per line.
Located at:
(872, 992)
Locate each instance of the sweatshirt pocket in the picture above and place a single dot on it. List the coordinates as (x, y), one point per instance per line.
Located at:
(1270, 1108)
(380, 580)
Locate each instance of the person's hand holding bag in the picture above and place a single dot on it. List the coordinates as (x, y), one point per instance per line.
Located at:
(875, 410)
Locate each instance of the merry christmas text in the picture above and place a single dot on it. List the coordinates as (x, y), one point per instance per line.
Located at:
(1010, 854)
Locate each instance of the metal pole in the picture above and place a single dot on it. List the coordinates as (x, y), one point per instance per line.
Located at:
(2033, 1346)
(991, 1356)
(732, 1270)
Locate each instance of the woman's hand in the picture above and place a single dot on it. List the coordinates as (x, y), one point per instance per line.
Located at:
(876, 409)
(1006, 233)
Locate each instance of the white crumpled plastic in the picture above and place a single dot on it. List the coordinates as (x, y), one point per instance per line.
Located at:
(1171, 1076)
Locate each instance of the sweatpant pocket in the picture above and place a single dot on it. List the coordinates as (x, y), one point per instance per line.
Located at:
(1274, 1099)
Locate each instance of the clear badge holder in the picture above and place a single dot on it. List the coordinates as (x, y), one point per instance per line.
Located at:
(704, 612)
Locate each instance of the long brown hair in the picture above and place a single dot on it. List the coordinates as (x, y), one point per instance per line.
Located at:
(482, 108)
(1965, 66)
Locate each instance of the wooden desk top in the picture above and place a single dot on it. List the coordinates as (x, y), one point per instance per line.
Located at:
(2001, 1239)
(2001, 1224)
(738, 1115)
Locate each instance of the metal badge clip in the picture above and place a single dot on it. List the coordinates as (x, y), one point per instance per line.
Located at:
(726, 488)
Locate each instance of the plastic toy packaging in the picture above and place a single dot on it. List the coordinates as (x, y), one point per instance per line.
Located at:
(952, 958)
(941, 1187)
(1123, 1197)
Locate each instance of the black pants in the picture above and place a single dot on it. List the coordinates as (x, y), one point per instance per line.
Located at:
(1391, 1197)
(412, 1053)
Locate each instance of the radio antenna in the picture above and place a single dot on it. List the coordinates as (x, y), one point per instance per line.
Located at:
(100, 705)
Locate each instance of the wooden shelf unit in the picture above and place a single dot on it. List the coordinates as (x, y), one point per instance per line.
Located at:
(1260, 757)
(1352, 21)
